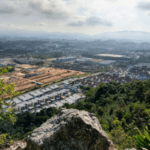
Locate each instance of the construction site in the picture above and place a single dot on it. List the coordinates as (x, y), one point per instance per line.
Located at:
(29, 78)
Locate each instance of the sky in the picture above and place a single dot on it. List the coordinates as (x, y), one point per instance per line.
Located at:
(75, 16)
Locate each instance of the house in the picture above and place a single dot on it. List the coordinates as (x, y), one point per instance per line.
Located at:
(66, 85)
(17, 101)
(53, 105)
(38, 110)
(75, 87)
(22, 98)
(65, 59)
(63, 101)
(39, 83)
(46, 90)
(36, 93)
(58, 104)
(22, 107)
(69, 101)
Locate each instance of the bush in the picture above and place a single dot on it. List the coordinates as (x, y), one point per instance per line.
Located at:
(143, 140)
(38, 63)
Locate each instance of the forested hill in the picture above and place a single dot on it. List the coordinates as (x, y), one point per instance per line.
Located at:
(120, 108)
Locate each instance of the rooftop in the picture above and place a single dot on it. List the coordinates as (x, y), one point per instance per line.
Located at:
(143, 64)
(107, 62)
(111, 55)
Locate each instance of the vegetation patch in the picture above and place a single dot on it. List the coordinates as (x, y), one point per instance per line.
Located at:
(120, 108)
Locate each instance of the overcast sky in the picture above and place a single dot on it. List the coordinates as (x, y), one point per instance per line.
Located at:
(80, 16)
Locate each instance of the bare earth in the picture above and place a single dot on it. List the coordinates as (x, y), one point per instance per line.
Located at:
(50, 75)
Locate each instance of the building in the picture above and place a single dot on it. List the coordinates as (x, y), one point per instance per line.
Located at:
(65, 59)
(66, 85)
(75, 87)
(50, 96)
(113, 57)
(107, 63)
(83, 60)
(1, 65)
(143, 65)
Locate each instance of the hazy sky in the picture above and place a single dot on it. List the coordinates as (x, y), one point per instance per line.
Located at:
(81, 16)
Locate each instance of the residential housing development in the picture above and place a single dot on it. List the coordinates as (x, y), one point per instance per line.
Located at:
(50, 96)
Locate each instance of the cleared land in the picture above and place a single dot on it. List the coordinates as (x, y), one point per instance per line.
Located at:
(48, 76)
(26, 66)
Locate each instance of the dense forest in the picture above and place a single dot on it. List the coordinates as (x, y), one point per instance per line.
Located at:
(120, 108)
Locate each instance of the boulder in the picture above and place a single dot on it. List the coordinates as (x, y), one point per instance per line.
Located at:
(17, 145)
(71, 129)
(131, 149)
(136, 149)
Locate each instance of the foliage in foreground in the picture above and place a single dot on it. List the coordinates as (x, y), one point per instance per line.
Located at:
(143, 140)
(7, 117)
(26, 123)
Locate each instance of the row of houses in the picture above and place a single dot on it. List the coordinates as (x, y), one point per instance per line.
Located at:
(94, 81)
(73, 88)
(63, 59)
(37, 104)
(78, 66)
(50, 96)
(140, 71)
(36, 93)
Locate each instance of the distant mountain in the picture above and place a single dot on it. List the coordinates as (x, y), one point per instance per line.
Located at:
(136, 36)
(122, 36)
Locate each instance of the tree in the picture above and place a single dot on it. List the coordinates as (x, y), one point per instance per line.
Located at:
(39, 63)
(7, 117)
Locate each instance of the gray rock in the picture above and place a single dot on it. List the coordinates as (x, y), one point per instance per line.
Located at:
(131, 149)
(136, 149)
(17, 145)
(71, 129)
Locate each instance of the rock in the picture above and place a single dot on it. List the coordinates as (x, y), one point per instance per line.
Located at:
(71, 129)
(136, 149)
(131, 149)
(17, 145)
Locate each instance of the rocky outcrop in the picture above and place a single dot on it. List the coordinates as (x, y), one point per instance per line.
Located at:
(17, 145)
(131, 149)
(136, 149)
(71, 129)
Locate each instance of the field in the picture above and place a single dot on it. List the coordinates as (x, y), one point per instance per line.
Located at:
(47, 76)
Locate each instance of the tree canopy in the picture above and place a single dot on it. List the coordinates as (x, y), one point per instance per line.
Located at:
(7, 116)
(120, 109)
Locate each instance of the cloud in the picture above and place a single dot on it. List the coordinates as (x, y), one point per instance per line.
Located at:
(78, 23)
(42, 24)
(7, 7)
(115, 15)
(94, 21)
(28, 12)
(91, 21)
(144, 6)
(53, 9)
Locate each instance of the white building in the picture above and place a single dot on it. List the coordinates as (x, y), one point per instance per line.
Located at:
(65, 59)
